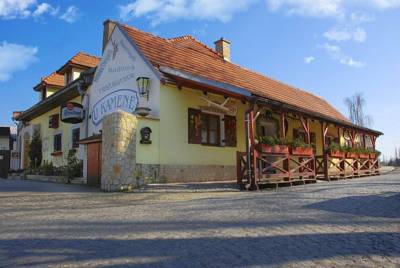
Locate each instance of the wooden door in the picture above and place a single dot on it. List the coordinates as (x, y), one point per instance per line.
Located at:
(94, 159)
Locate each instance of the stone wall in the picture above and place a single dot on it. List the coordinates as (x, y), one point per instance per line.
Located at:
(185, 173)
(120, 170)
(119, 152)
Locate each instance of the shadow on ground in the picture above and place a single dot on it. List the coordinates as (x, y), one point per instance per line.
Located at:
(385, 205)
(194, 252)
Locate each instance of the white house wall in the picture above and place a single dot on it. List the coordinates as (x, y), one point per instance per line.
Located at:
(114, 86)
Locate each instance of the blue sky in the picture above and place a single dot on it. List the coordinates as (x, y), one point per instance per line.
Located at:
(332, 48)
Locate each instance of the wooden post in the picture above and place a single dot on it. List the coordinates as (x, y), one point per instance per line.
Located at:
(373, 140)
(253, 183)
(283, 132)
(283, 136)
(365, 145)
(324, 132)
(306, 126)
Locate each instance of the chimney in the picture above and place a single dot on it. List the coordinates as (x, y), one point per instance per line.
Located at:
(223, 47)
(109, 26)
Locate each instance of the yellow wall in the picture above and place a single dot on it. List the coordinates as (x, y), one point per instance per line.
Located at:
(148, 153)
(170, 134)
(50, 91)
(174, 146)
(47, 135)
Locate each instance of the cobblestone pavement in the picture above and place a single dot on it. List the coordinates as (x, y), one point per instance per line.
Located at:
(352, 223)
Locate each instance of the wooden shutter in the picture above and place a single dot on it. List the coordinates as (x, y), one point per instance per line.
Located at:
(194, 126)
(230, 131)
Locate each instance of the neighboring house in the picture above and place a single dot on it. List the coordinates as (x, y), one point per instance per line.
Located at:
(5, 148)
(57, 137)
(175, 110)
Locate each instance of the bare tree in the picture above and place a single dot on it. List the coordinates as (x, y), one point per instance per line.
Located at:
(355, 105)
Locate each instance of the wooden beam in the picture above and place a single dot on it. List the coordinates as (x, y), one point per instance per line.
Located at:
(324, 131)
(306, 126)
(283, 129)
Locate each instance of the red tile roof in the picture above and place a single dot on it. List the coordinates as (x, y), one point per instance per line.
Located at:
(54, 79)
(81, 59)
(85, 59)
(191, 56)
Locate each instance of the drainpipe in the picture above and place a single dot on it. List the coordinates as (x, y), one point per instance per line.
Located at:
(83, 93)
(249, 145)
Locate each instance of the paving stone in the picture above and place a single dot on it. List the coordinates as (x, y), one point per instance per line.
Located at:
(351, 223)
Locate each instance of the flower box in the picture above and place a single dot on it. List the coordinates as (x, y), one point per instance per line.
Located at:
(372, 155)
(274, 149)
(363, 155)
(307, 151)
(351, 155)
(57, 153)
(334, 153)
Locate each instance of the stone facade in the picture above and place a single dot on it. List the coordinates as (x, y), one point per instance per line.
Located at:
(119, 152)
(185, 173)
(197, 173)
(120, 170)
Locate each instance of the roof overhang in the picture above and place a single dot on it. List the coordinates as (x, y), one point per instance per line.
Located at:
(188, 80)
(68, 67)
(59, 97)
(313, 114)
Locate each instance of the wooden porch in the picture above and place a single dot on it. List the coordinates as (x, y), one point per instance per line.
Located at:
(283, 165)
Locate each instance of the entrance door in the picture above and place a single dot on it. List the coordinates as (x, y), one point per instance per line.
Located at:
(4, 163)
(94, 159)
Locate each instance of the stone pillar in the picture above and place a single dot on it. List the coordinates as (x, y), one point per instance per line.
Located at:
(119, 152)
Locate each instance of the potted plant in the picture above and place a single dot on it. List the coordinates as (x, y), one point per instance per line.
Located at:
(350, 153)
(268, 144)
(299, 147)
(334, 150)
(363, 153)
(373, 154)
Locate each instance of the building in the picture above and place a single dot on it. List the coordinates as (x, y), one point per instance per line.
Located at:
(175, 110)
(6, 145)
(57, 137)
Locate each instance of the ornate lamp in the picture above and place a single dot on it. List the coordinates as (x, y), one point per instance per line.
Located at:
(143, 85)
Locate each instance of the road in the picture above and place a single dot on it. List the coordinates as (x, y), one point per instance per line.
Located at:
(352, 223)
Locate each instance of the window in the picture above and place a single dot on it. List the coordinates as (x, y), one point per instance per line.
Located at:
(57, 142)
(206, 129)
(75, 137)
(210, 129)
(267, 128)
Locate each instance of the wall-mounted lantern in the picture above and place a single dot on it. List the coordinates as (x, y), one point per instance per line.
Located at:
(143, 85)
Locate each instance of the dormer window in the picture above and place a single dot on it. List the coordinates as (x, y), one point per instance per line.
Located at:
(68, 78)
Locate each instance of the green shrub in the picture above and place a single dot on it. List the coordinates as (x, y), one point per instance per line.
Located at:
(35, 150)
(46, 168)
(299, 143)
(74, 167)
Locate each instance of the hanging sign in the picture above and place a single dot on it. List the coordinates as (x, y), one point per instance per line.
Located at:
(71, 112)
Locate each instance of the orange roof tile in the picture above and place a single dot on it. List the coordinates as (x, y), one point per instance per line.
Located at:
(191, 56)
(54, 79)
(81, 59)
(85, 59)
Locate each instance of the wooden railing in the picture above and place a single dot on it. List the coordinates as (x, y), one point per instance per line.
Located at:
(339, 167)
(276, 168)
